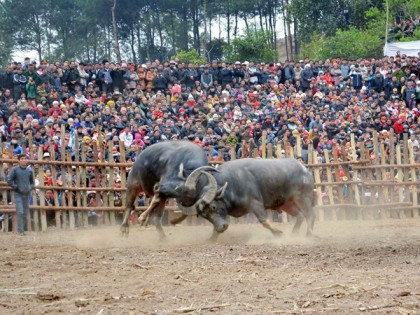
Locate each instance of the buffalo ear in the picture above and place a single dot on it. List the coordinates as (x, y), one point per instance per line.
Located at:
(220, 192)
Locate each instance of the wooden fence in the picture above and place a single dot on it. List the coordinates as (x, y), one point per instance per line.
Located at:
(352, 182)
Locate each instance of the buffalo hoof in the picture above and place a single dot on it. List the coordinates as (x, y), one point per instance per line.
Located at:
(124, 230)
(178, 220)
(212, 239)
(277, 233)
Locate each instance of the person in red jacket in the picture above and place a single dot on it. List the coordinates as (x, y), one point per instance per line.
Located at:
(398, 126)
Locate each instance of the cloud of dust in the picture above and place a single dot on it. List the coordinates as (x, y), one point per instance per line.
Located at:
(340, 233)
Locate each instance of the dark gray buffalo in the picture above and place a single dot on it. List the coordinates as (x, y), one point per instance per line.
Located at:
(160, 172)
(252, 186)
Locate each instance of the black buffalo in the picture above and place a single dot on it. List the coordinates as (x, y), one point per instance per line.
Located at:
(253, 186)
(160, 172)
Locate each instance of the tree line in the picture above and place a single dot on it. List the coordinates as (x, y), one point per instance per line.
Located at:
(141, 30)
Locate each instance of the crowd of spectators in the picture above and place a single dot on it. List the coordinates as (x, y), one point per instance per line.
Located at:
(218, 104)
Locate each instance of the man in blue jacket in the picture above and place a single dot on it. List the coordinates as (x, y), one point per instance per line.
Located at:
(22, 181)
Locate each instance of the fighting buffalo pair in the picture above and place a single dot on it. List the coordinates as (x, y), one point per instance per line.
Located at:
(180, 170)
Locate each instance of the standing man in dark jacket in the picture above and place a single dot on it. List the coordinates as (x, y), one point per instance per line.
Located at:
(22, 181)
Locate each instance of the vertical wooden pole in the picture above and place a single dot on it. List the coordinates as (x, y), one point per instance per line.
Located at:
(400, 179)
(4, 192)
(298, 145)
(111, 183)
(71, 194)
(317, 178)
(329, 187)
(415, 212)
(57, 213)
(77, 158)
(384, 196)
(269, 151)
(392, 162)
(264, 145)
(83, 183)
(123, 174)
(42, 192)
(355, 179)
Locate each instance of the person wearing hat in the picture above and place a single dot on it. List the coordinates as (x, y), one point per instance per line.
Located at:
(22, 182)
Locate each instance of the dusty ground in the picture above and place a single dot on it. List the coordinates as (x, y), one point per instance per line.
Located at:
(356, 267)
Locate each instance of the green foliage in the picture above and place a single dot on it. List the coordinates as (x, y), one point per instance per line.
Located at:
(416, 36)
(190, 56)
(351, 43)
(254, 46)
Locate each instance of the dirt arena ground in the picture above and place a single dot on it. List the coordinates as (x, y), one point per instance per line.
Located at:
(355, 267)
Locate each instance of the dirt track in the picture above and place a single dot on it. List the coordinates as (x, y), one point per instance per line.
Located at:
(370, 267)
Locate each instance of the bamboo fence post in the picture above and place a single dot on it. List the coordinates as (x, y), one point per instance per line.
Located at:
(255, 153)
(83, 183)
(32, 194)
(10, 166)
(70, 194)
(392, 161)
(310, 153)
(42, 193)
(298, 145)
(269, 151)
(406, 157)
(415, 212)
(317, 177)
(233, 153)
(377, 173)
(405, 170)
(330, 188)
(244, 149)
(105, 194)
(123, 172)
(97, 178)
(264, 145)
(57, 214)
(400, 179)
(290, 151)
(111, 183)
(78, 214)
(337, 173)
(381, 175)
(278, 150)
(5, 226)
(355, 177)
(64, 170)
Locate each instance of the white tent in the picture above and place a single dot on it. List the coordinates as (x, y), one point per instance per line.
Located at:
(407, 48)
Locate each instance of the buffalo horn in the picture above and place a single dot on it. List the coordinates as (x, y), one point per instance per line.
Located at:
(210, 189)
(221, 191)
(192, 179)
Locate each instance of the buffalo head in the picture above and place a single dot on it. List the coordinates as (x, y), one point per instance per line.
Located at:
(206, 201)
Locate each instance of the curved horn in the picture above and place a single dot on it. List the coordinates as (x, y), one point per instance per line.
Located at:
(211, 189)
(220, 192)
(192, 179)
(209, 195)
(181, 171)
